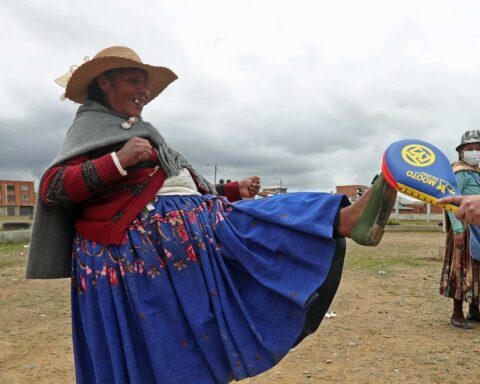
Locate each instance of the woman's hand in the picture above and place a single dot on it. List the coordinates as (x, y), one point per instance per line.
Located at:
(459, 240)
(134, 151)
(249, 186)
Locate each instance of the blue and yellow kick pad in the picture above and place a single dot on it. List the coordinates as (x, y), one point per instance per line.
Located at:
(420, 170)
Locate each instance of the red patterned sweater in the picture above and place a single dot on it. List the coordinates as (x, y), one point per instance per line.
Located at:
(107, 201)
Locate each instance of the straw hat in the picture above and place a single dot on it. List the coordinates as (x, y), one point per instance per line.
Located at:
(469, 137)
(77, 79)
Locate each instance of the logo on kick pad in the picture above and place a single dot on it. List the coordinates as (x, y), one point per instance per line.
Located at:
(418, 155)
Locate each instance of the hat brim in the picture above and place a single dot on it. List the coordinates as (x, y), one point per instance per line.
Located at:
(459, 147)
(77, 87)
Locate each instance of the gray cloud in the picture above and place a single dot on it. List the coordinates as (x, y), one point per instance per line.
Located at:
(289, 102)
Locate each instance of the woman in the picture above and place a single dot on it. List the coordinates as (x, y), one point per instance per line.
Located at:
(170, 282)
(460, 274)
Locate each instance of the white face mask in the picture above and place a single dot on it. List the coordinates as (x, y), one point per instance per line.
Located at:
(472, 158)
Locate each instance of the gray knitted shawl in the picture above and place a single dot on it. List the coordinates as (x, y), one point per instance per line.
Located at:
(93, 128)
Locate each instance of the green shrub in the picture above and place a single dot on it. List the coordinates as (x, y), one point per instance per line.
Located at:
(392, 222)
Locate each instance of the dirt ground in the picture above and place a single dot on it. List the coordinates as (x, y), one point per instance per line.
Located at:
(391, 325)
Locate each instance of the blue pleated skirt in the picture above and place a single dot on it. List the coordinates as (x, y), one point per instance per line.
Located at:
(202, 290)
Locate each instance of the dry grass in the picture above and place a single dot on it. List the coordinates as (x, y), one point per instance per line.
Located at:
(392, 325)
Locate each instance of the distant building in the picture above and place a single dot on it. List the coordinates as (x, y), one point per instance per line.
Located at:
(274, 190)
(17, 198)
(405, 206)
(353, 192)
(416, 207)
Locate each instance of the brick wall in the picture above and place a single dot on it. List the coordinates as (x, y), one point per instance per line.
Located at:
(351, 191)
(17, 198)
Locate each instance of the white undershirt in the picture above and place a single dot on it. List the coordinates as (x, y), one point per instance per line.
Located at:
(182, 184)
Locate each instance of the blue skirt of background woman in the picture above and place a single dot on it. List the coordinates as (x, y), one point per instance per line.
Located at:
(202, 290)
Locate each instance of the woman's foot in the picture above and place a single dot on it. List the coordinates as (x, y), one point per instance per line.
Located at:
(473, 313)
(365, 220)
(457, 319)
(349, 215)
(460, 323)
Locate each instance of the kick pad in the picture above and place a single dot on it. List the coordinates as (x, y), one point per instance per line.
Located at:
(419, 169)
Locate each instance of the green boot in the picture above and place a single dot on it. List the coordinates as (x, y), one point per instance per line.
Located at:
(369, 228)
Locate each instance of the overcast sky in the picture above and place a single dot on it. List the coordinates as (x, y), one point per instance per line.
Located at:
(307, 92)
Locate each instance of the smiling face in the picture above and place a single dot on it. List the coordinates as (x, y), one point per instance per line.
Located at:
(126, 90)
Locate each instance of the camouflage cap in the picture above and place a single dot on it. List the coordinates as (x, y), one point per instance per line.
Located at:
(469, 137)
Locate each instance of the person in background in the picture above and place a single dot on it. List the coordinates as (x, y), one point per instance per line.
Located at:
(461, 272)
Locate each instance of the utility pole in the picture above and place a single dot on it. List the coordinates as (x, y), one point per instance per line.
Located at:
(277, 178)
(214, 172)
